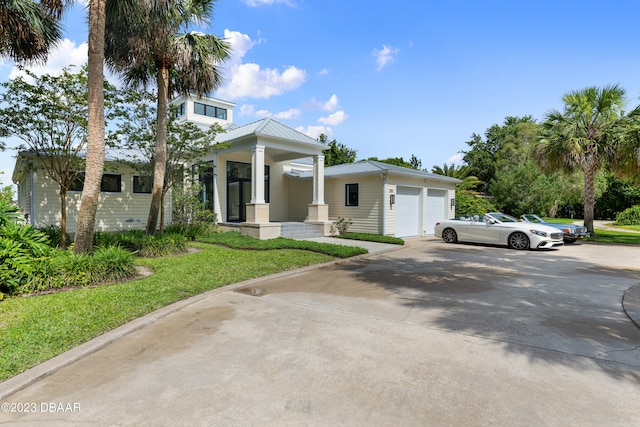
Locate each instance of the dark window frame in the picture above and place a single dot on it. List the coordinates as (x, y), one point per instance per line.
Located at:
(78, 183)
(137, 188)
(210, 111)
(352, 194)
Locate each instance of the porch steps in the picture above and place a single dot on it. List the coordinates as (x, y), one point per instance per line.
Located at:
(298, 230)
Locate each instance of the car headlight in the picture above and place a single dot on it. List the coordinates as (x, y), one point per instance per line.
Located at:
(539, 233)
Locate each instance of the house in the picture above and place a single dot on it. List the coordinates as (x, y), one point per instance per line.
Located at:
(123, 204)
(267, 175)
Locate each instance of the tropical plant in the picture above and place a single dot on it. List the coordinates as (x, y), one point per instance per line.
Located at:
(94, 161)
(143, 43)
(585, 135)
(29, 29)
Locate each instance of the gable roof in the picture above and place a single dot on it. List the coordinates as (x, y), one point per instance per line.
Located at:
(371, 167)
(267, 128)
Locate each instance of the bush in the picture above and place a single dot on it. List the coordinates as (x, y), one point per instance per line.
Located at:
(22, 249)
(145, 245)
(341, 226)
(630, 216)
(54, 232)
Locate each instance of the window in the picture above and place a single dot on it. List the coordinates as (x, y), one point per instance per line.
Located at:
(210, 110)
(351, 195)
(78, 182)
(180, 110)
(142, 184)
(111, 183)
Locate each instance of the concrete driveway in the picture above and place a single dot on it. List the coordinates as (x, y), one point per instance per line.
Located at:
(432, 334)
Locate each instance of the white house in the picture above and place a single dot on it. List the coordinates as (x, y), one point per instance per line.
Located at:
(268, 175)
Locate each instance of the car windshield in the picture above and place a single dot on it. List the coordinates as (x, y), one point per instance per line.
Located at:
(533, 218)
(503, 217)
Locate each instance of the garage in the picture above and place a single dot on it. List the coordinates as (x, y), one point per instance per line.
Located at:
(408, 211)
(437, 208)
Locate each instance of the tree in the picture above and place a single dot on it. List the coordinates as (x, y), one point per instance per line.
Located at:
(586, 134)
(49, 116)
(28, 29)
(95, 129)
(142, 42)
(186, 142)
(337, 153)
(415, 163)
(468, 199)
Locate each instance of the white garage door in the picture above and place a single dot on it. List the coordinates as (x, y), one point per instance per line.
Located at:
(436, 208)
(408, 211)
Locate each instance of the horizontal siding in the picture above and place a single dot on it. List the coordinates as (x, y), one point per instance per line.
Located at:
(366, 216)
(116, 211)
(300, 197)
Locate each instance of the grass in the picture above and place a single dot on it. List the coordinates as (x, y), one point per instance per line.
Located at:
(234, 240)
(617, 237)
(372, 238)
(36, 329)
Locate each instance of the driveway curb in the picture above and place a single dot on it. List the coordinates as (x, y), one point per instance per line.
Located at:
(46, 368)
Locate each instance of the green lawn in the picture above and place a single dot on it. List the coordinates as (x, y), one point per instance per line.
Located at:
(35, 329)
(620, 237)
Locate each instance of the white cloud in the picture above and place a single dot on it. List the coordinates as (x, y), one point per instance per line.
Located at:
(384, 56)
(334, 119)
(249, 80)
(456, 158)
(323, 72)
(315, 131)
(331, 105)
(249, 110)
(64, 54)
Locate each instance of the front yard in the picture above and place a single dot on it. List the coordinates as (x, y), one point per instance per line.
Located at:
(35, 329)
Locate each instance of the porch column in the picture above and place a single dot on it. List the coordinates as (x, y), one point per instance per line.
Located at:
(217, 208)
(318, 180)
(257, 174)
(318, 210)
(257, 209)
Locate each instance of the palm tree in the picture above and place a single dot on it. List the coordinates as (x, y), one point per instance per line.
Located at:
(143, 42)
(587, 134)
(461, 172)
(95, 136)
(28, 29)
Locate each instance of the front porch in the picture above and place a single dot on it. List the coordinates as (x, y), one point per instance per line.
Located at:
(290, 230)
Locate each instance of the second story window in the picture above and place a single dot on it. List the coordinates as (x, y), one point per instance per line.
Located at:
(210, 111)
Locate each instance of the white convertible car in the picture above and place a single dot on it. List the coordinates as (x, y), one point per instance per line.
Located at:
(499, 229)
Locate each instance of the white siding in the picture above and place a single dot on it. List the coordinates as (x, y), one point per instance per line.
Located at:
(366, 217)
(300, 196)
(116, 211)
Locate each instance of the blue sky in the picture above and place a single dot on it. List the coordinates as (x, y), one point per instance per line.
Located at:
(392, 79)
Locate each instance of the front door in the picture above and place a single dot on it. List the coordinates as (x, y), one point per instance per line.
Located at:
(239, 190)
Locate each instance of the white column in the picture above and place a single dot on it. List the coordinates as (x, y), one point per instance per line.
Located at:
(318, 180)
(217, 207)
(257, 174)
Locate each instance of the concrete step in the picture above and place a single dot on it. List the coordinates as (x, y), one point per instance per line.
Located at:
(298, 230)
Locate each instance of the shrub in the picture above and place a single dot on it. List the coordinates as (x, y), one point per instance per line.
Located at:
(53, 232)
(63, 269)
(22, 248)
(341, 226)
(630, 216)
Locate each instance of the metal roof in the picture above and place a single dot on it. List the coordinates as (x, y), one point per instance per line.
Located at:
(267, 128)
(370, 166)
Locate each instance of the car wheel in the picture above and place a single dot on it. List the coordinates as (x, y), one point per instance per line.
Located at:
(449, 235)
(518, 241)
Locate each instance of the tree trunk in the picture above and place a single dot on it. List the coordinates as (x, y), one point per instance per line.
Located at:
(95, 136)
(589, 194)
(160, 162)
(63, 219)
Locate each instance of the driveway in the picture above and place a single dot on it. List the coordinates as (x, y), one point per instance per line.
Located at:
(432, 334)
